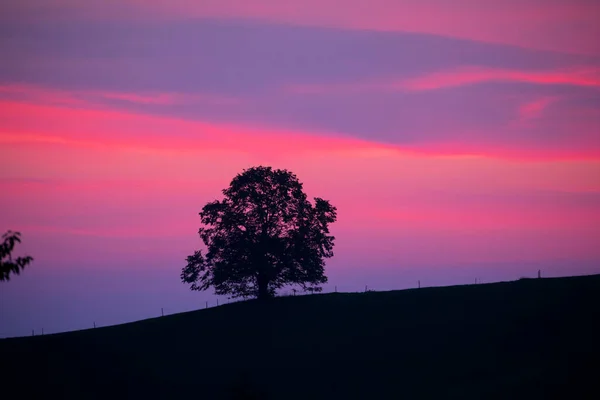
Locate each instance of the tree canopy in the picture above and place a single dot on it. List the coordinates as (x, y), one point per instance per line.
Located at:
(263, 235)
(9, 266)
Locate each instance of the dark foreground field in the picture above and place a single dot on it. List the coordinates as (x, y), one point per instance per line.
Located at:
(530, 339)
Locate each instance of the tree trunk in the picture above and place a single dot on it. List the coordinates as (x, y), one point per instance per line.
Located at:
(263, 287)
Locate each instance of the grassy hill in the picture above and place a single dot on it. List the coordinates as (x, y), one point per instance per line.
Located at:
(528, 339)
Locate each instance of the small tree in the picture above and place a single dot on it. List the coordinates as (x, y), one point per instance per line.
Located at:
(7, 264)
(263, 235)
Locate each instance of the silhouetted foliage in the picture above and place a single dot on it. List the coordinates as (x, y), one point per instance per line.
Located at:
(263, 235)
(7, 264)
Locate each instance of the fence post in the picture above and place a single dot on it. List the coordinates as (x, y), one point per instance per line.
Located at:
(419, 284)
(207, 304)
(365, 288)
(539, 273)
(162, 312)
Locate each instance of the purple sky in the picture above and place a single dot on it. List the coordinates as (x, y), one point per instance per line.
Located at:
(457, 141)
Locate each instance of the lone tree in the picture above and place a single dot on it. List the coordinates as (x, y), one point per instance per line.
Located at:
(7, 264)
(263, 235)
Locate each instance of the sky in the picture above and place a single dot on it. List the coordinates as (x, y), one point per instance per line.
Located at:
(458, 140)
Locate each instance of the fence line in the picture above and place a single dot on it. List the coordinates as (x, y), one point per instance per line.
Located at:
(294, 291)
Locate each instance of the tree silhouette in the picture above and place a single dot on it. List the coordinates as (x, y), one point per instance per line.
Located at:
(263, 235)
(7, 264)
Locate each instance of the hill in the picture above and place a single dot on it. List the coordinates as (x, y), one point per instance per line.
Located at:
(529, 339)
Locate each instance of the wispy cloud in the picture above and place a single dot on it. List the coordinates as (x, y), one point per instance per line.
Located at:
(536, 107)
(35, 94)
(463, 76)
(165, 98)
(473, 75)
(50, 95)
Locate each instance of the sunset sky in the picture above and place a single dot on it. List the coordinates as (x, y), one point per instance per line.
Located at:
(459, 141)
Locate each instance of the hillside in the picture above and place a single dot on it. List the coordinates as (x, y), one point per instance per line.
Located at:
(528, 339)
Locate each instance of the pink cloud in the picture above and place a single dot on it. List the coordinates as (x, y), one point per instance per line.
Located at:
(111, 128)
(534, 108)
(164, 98)
(457, 216)
(76, 172)
(474, 75)
(161, 98)
(51, 96)
(34, 94)
(38, 118)
(587, 76)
